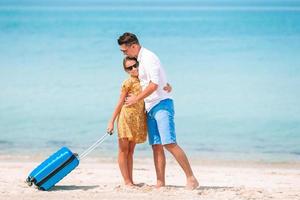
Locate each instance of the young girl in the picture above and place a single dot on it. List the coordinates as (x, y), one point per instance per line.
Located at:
(131, 121)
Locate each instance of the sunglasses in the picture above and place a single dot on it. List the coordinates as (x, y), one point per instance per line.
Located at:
(136, 65)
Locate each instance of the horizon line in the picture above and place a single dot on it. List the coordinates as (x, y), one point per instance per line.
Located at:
(155, 7)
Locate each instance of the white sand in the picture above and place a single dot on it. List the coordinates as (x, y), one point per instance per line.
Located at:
(101, 179)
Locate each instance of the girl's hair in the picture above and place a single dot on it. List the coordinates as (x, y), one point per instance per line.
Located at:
(127, 59)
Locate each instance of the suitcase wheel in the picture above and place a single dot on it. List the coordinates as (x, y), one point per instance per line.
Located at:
(28, 181)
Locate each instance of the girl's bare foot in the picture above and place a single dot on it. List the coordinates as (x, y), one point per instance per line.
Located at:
(129, 184)
(192, 183)
(160, 184)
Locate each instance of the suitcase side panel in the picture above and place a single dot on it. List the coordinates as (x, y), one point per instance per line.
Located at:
(60, 174)
(51, 164)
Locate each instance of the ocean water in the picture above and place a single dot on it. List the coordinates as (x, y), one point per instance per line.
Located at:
(235, 72)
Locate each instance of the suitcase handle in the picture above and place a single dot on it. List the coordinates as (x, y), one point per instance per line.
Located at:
(93, 146)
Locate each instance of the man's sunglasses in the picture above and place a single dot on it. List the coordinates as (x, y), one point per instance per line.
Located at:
(136, 65)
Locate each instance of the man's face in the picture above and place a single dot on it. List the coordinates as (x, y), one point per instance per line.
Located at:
(128, 50)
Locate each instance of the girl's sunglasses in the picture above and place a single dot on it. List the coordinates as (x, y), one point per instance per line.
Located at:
(136, 65)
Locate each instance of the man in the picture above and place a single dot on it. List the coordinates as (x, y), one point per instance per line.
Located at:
(160, 110)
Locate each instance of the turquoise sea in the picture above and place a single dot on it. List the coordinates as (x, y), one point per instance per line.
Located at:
(234, 67)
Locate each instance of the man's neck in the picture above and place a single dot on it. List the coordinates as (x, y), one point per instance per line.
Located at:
(138, 51)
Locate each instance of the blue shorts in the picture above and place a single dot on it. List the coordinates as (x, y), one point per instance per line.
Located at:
(160, 122)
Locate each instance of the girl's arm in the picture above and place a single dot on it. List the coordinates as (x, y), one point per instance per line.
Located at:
(110, 126)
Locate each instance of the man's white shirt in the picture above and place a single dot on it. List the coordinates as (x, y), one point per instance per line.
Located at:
(150, 69)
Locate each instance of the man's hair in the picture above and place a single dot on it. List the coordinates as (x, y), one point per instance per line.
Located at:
(128, 39)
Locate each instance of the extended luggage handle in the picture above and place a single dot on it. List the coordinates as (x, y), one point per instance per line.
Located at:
(93, 146)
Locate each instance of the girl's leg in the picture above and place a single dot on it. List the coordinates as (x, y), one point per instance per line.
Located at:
(130, 159)
(123, 160)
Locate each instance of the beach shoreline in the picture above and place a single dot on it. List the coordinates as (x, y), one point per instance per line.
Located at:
(195, 160)
(99, 178)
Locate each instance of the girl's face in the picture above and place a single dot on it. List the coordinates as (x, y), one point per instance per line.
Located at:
(131, 67)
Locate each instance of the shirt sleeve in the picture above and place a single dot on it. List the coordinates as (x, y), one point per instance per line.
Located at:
(125, 86)
(154, 70)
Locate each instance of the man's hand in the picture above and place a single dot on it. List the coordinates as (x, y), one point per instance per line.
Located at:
(130, 100)
(168, 88)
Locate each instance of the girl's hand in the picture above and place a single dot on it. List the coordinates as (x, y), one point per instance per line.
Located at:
(110, 128)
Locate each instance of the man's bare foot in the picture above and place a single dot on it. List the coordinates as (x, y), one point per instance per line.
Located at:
(192, 183)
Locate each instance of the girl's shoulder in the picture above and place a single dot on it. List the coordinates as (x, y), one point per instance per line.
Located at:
(130, 81)
(126, 82)
(129, 84)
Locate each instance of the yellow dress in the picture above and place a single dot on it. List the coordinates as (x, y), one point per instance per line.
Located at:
(132, 122)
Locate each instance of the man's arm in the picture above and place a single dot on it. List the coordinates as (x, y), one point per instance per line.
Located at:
(145, 93)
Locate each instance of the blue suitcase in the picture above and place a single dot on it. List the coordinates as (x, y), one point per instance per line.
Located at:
(57, 166)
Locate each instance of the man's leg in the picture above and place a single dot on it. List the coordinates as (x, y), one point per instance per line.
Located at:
(160, 164)
(183, 161)
(166, 127)
(158, 150)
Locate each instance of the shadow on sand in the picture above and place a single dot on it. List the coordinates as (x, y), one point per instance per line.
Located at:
(73, 187)
(140, 185)
(213, 188)
(201, 188)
